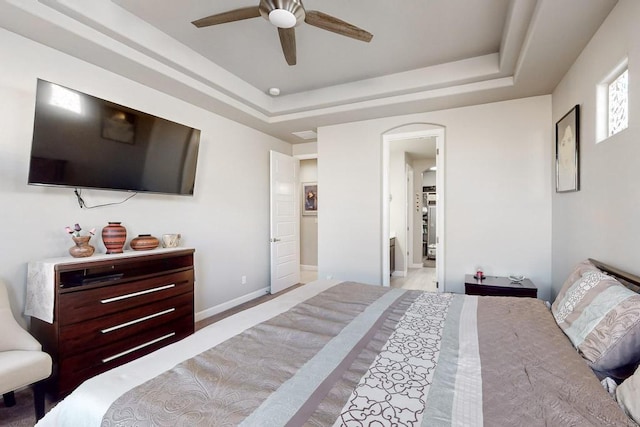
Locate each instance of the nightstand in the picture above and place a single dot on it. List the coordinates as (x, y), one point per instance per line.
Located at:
(499, 286)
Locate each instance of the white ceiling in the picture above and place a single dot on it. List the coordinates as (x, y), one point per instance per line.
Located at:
(420, 34)
(425, 54)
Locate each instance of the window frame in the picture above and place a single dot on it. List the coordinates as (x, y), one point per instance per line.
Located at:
(609, 131)
(602, 101)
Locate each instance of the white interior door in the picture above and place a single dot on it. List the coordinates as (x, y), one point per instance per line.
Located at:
(285, 222)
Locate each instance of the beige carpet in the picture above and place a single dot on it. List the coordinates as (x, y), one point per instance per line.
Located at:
(23, 414)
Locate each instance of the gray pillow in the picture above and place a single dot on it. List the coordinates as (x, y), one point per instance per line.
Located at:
(601, 317)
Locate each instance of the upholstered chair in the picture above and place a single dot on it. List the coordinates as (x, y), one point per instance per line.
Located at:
(22, 361)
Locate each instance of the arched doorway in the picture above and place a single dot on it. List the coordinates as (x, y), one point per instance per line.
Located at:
(408, 204)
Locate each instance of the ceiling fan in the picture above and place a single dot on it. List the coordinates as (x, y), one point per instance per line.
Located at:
(286, 15)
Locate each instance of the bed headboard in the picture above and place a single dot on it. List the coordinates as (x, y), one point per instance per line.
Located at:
(631, 281)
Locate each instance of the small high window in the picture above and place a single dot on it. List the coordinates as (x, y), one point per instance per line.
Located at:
(618, 103)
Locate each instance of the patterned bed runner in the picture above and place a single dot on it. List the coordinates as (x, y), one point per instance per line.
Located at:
(394, 389)
(309, 361)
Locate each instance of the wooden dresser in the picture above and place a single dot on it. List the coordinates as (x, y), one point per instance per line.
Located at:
(109, 311)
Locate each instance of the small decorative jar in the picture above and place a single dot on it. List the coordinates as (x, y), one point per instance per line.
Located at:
(144, 242)
(114, 236)
(82, 248)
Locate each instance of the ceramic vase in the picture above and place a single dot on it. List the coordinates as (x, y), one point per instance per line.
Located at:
(82, 247)
(113, 236)
(171, 240)
(144, 242)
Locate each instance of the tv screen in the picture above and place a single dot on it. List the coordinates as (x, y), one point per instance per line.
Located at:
(86, 142)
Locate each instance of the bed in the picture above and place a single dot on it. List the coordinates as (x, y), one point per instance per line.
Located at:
(331, 353)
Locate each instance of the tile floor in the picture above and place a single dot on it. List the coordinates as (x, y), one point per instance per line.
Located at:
(423, 279)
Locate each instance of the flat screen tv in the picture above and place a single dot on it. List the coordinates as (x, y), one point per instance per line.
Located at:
(86, 142)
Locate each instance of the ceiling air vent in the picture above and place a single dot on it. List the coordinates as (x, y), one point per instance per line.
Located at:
(306, 134)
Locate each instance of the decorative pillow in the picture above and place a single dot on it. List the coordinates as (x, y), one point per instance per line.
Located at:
(628, 396)
(601, 317)
(576, 274)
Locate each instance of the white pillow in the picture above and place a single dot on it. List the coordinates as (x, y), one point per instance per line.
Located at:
(13, 337)
(628, 396)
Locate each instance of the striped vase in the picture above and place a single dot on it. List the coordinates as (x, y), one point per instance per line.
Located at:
(113, 236)
(144, 242)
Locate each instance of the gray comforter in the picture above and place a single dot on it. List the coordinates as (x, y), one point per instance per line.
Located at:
(359, 355)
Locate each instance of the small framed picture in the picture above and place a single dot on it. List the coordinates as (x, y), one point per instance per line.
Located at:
(567, 152)
(309, 198)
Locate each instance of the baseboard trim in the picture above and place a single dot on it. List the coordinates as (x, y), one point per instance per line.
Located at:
(230, 304)
(417, 265)
(309, 267)
(399, 274)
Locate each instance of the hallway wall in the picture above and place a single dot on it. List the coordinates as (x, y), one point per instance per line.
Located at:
(309, 223)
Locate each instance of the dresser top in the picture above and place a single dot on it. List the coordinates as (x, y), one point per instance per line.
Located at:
(105, 256)
(498, 281)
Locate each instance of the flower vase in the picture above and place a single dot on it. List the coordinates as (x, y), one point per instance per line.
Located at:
(82, 248)
(113, 236)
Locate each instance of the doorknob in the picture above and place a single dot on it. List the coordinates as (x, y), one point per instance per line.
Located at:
(273, 240)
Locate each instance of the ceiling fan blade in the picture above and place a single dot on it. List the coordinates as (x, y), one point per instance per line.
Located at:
(288, 42)
(230, 16)
(338, 26)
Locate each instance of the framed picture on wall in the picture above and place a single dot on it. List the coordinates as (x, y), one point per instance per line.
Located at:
(309, 198)
(567, 152)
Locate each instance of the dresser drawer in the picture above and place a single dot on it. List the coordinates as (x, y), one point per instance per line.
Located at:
(74, 369)
(104, 330)
(84, 304)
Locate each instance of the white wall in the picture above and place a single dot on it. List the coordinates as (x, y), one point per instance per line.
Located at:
(227, 220)
(498, 198)
(601, 220)
(397, 207)
(305, 150)
(309, 223)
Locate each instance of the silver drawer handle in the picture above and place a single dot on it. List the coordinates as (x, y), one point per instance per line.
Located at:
(133, 322)
(131, 350)
(135, 294)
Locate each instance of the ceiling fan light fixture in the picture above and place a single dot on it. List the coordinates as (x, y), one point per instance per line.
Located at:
(282, 13)
(282, 18)
(285, 15)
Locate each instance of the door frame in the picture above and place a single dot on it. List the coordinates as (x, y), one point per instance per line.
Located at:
(408, 214)
(415, 130)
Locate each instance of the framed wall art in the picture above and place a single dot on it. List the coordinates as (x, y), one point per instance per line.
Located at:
(568, 152)
(309, 198)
